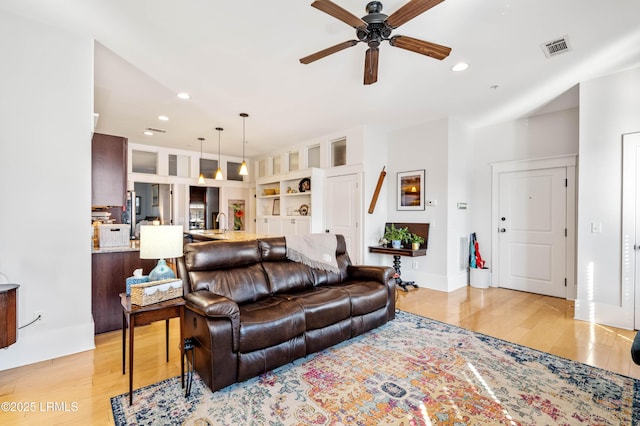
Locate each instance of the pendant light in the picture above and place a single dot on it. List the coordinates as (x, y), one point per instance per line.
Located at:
(201, 177)
(243, 167)
(219, 171)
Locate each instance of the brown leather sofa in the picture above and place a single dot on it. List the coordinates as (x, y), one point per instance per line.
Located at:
(249, 309)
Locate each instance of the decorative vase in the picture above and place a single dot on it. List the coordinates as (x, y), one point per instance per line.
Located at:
(396, 244)
(415, 246)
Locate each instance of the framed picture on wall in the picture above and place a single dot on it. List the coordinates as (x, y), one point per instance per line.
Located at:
(155, 195)
(411, 190)
(137, 204)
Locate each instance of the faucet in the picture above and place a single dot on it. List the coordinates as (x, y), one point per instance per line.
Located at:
(222, 225)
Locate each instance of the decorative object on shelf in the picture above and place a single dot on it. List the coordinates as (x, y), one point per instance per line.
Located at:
(305, 185)
(243, 167)
(161, 242)
(269, 191)
(155, 195)
(276, 207)
(236, 210)
(411, 190)
(416, 241)
(219, 171)
(201, 177)
(397, 236)
(303, 210)
(290, 190)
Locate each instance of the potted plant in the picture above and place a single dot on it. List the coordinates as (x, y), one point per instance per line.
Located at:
(416, 241)
(396, 235)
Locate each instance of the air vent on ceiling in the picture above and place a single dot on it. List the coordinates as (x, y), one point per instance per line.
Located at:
(556, 47)
(151, 129)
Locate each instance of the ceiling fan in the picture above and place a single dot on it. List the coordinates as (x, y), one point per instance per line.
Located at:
(376, 27)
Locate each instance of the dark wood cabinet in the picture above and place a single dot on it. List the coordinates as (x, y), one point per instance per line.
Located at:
(109, 272)
(8, 325)
(108, 170)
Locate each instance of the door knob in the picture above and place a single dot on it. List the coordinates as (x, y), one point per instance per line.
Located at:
(502, 230)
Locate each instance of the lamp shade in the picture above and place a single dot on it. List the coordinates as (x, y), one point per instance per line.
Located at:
(161, 242)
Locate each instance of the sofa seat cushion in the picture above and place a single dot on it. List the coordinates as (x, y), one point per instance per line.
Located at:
(269, 322)
(322, 306)
(365, 296)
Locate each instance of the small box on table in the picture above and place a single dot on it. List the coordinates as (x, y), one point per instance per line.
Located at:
(144, 294)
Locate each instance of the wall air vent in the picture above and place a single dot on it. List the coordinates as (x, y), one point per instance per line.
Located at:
(556, 47)
(151, 129)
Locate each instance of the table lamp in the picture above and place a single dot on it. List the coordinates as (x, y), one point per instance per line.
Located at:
(161, 242)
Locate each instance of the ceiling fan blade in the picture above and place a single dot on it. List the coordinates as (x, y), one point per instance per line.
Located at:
(339, 13)
(410, 10)
(328, 51)
(433, 50)
(371, 65)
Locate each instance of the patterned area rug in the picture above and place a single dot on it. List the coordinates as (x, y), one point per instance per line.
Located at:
(412, 371)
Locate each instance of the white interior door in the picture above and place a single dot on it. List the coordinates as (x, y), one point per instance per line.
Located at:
(342, 201)
(532, 231)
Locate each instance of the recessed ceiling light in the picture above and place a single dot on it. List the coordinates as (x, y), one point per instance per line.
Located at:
(184, 95)
(148, 133)
(163, 118)
(460, 66)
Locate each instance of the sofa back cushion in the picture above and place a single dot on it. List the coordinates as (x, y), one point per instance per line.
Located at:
(229, 269)
(284, 275)
(342, 257)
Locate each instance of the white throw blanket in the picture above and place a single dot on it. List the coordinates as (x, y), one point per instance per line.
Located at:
(314, 250)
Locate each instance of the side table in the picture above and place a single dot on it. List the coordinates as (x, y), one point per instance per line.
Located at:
(133, 315)
(396, 253)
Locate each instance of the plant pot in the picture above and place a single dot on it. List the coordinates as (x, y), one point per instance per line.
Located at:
(415, 246)
(396, 244)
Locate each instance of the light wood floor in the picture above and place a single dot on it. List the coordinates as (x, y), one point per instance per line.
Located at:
(86, 381)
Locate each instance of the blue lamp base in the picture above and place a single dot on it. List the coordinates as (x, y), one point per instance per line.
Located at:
(161, 272)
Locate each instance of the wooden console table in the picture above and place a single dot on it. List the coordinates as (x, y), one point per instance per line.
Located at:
(421, 229)
(133, 315)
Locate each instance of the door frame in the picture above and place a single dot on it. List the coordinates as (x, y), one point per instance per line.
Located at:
(630, 146)
(356, 258)
(566, 161)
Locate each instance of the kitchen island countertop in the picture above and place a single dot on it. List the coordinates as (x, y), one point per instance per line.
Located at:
(211, 235)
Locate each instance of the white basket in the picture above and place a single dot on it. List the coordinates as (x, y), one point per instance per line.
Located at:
(113, 235)
(480, 278)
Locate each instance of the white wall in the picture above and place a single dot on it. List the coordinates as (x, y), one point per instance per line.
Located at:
(459, 159)
(542, 136)
(422, 147)
(46, 120)
(609, 107)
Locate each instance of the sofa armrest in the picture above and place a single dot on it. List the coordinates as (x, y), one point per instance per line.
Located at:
(381, 274)
(211, 305)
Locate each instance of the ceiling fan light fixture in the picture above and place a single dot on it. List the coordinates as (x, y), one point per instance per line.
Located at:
(243, 167)
(148, 132)
(163, 118)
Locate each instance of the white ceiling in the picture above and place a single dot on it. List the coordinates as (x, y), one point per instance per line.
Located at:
(242, 56)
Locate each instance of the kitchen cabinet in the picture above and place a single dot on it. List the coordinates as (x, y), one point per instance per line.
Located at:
(271, 226)
(296, 226)
(108, 170)
(109, 272)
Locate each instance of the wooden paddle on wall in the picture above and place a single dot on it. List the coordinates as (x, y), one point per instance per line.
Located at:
(374, 199)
